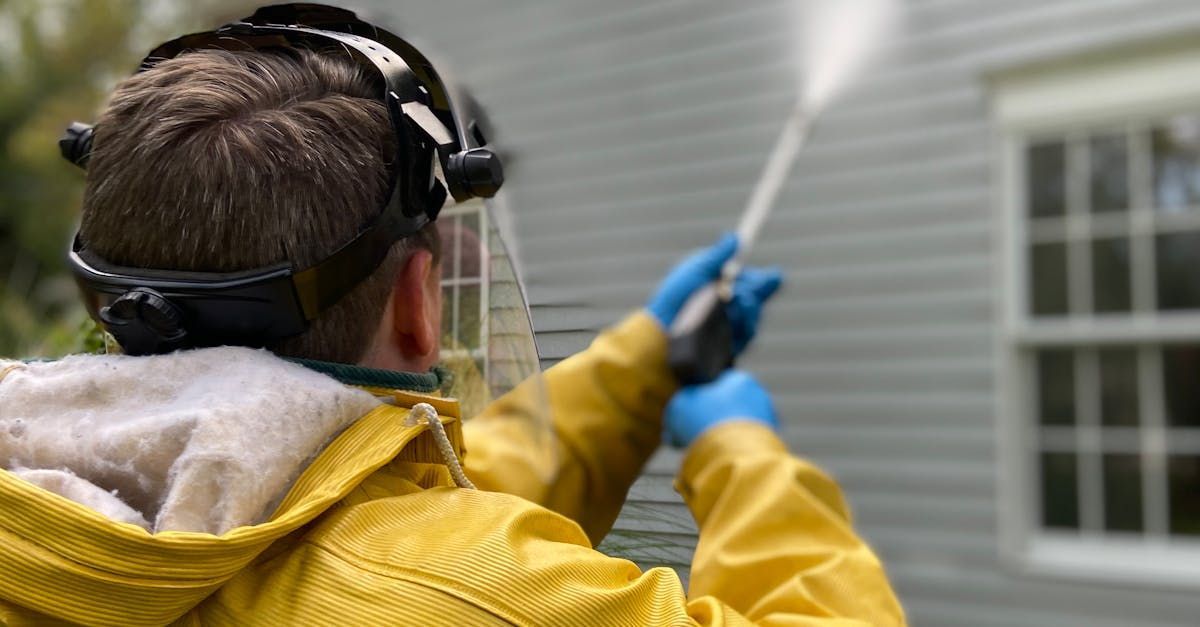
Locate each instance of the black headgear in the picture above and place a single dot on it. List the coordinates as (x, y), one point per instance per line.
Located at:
(155, 311)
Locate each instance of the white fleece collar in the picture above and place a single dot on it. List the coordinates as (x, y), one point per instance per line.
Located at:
(203, 440)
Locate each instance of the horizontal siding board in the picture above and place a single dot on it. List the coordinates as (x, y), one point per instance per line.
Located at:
(563, 344)
(550, 319)
(874, 402)
(912, 382)
(739, 171)
(769, 98)
(714, 208)
(578, 28)
(613, 278)
(845, 248)
(955, 548)
(857, 411)
(674, 26)
(687, 42)
(938, 477)
(930, 511)
(837, 139)
(736, 125)
(916, 344)
(868, 306)
(947, 448)
(924, 208)
(896, 317)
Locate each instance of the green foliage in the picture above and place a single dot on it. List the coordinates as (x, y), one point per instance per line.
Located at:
(58, 58)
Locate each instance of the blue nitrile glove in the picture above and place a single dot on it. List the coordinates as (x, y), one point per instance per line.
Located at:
(735, 395)
(752, 288)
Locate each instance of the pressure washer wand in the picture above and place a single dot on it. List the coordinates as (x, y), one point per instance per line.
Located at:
(701, 337)
(770, 183)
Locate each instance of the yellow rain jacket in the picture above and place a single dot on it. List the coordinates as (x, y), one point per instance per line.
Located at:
(373, 532)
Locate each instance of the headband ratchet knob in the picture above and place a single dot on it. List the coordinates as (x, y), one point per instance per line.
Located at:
(144, 322)
(478, 171)
(76, 143)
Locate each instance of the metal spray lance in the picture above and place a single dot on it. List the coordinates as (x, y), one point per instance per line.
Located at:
(701, 345)
(841, 35)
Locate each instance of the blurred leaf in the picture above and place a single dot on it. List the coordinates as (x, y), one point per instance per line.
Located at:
(58, 60)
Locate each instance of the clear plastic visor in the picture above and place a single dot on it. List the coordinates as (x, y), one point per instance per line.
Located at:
(488, 346)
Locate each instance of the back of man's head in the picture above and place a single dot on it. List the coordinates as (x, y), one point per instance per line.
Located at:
(220, 161)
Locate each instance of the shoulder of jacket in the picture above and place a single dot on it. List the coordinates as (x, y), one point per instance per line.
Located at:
(495, 551)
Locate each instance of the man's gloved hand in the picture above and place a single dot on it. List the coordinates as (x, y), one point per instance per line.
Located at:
(752, 288)
(736, 395)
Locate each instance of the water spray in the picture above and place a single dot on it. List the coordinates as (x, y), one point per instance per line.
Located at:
(840, 38)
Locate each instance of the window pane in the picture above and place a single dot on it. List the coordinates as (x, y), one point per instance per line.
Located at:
(1110, 173)
(1185, 495)
(1048, 280)
(448, 317)
(1177, 164)
(1056, 387)
(1060, 491)
(1119, 391)
(472, 246)
(1122, 493)
(1178, 257)
(1047, 168)
(1110, 275)
(448, 233)
(468, 316)
(1181, 378)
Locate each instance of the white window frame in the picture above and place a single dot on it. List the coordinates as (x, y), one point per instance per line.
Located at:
(475, 207)
(1063, 97)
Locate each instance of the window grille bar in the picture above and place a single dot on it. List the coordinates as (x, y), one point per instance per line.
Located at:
(463, 281)
(1142, 267)
(485, 295)
(454, 325)
(1079, 273)
(1154, 442)
(1087, 404)
(1120, 440)
(1141, 221)
(1135, 329)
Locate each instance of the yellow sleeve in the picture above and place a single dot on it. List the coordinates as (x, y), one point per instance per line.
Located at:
(776, 541)
(606, 404)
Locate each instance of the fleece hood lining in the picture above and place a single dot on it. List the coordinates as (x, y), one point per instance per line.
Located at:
(202, 441)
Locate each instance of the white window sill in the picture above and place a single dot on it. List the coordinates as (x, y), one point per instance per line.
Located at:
(1120, 562)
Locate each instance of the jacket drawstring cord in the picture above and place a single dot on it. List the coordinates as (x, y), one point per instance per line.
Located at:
(5, 371)
(424, 412)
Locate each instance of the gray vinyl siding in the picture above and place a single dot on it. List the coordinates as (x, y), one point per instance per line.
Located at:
(638, 130)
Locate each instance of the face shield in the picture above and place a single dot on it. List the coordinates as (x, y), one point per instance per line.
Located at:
(487, 348)
(442, 157)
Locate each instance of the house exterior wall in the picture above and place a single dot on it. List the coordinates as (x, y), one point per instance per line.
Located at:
(638, 129)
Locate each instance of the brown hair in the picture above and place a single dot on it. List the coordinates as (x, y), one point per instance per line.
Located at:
(220, 161)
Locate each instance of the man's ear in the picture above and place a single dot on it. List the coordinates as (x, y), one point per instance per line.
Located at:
(415, 329)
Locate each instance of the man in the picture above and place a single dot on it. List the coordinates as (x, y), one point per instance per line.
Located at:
(227, 486)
